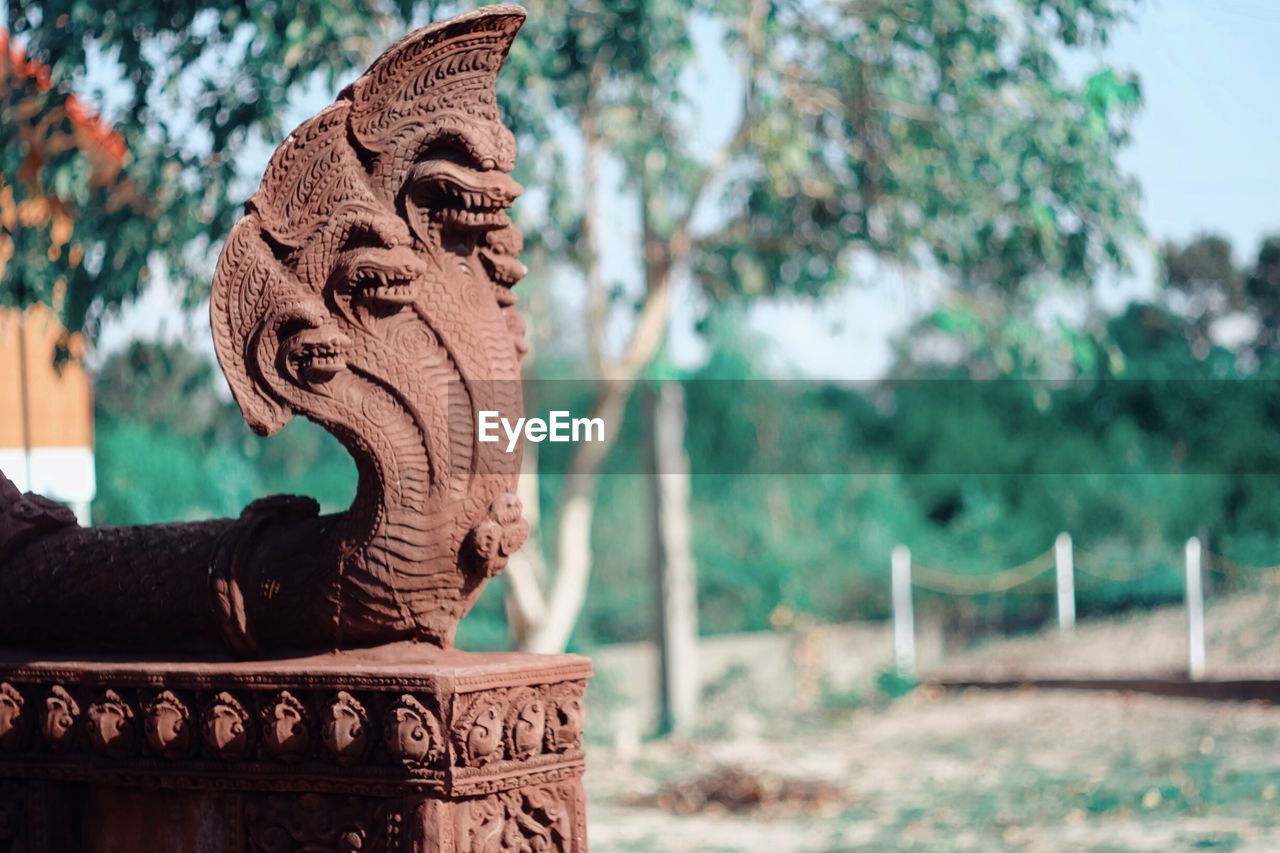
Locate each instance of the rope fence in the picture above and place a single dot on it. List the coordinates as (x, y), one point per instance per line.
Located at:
(1063, 560)
(955, 583)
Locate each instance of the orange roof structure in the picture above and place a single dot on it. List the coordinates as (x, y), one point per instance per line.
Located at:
(103, 146)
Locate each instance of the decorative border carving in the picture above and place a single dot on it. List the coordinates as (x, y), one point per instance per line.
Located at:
(247, 733)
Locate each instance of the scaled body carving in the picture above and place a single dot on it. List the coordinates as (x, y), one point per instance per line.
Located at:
(368, 288)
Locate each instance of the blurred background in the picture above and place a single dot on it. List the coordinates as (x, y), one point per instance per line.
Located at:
(955, 276)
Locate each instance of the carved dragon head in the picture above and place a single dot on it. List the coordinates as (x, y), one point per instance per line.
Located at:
(368, 287)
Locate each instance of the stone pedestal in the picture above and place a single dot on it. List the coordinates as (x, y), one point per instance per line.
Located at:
(401, 748)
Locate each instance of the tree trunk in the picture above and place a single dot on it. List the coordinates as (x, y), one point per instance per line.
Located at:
(679, 686)
(526, 573)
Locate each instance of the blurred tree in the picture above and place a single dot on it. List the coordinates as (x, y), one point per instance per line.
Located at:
(1262, 287)
(59, 165)
(941, 131)
(165, 384)
(172, 445)
(1204, 272)
(197, 83)
(938, 131)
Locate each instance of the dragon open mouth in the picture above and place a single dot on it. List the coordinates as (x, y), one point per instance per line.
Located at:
(463, 197)
(317, 354)
(386, 276)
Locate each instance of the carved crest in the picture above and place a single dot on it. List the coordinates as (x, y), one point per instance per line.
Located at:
(12, 719)
(412, 733)
(225, 726)
(479, 729)
(286, 727)
(111, 728)
(526, 723)
(345, 730)
(59, 719)
(168, 725)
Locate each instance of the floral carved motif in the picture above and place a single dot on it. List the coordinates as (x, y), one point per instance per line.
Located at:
(526, 723)
(479, 730)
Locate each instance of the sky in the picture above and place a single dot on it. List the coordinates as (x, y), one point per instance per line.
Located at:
(1205, 150)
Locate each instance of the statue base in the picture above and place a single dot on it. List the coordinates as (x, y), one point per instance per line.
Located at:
(400, 748)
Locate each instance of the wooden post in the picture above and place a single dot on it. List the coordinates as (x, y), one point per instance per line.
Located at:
(904, 630)
(1063, 559)
(1195, 612)
(679, 686)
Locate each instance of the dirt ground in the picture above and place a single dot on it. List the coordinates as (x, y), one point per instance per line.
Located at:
(1242, 640)
(972, 771)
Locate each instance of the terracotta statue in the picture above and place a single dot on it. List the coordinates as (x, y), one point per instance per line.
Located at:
(368, 287)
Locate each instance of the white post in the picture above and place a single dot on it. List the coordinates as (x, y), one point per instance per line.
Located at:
(1062, 557)
(1195, 612)
(904, 631)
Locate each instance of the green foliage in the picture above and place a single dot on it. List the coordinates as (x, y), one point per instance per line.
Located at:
(934, 131)
(939, 129)
(802, 498)
(199, 82)
(942, 128)
(1204, 273)
(172, 446)
(798, 503)
(894, 685)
